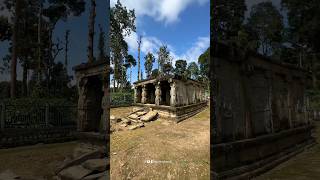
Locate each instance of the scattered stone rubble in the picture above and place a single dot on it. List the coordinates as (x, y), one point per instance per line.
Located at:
(88, 163)
(136, 119)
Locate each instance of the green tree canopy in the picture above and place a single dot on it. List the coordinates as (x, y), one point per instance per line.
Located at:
(149, 60)
(181, 67)
(265, 26)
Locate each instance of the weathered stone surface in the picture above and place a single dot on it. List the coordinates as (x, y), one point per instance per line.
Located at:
(134, 116)
(74, 173)
(8, 175)
(149, 116)
(141, 113)
(95, 176)
(126, 121)
(90, 155)
(133, 127)
(96, 164)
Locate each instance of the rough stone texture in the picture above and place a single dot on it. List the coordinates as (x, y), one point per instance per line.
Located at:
(149, 116)
(8, 175)
(96, 164)
(261, 111)
(172, 95)
(74, 173)
(133, 127)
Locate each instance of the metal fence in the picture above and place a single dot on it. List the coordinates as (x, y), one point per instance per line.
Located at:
(37, 116)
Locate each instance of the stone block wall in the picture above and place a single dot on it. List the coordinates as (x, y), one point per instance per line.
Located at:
(262, 113)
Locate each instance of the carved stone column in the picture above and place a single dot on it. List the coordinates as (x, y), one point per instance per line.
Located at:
(173, 94)
(135, 94)
(144, 94)
(157, 93)
(82, 106)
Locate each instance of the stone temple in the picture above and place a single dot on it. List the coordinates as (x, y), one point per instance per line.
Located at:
(171, 96)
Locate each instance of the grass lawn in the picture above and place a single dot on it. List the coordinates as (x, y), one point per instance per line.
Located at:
(178, 151)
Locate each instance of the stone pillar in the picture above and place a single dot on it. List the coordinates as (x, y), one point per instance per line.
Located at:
(157, 93)
(144, 94)
(135, 94)
(173, 94)
(82, 106)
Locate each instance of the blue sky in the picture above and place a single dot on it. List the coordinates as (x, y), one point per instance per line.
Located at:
(78, 36)
(182, 25)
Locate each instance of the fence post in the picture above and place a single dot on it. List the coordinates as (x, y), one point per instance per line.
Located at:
(2, 120)
(47, 114)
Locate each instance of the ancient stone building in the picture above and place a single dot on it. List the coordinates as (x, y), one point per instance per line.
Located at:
(261, 113)
(171, 96)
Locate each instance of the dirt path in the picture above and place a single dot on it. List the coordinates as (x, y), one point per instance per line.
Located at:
(177, 151)
(38, 161)
(304, 166)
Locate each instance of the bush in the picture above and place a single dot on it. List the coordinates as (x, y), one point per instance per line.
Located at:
(122, 98)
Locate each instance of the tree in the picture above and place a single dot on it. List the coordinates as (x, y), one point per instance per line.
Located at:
(204, 62)
(155, 73)
(149, 60)
(194, 70)
(14, 49)
(304, 26)
(91, 31)
(181, 67)
(167, 68)
(228, 16)
(101, 46)
(5, 29)
(265, 26)
(121, 25)
(132, 62)
(163, 57)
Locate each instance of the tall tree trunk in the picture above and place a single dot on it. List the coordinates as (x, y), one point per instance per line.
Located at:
(314, 72)
(39, 44)
(24, 80)
(130, 74)
(91, 30)
(139, 71)
(14, 51)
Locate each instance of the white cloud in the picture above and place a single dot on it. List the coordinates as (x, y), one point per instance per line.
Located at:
(166, 11)
(199, 47)
(152, 44)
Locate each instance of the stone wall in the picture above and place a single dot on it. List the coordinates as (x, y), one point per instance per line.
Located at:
(256, 98)
(21, 137)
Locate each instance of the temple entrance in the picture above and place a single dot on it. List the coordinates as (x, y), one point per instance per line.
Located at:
(139, 92)
(150, 94)
(93, 104)
(165, 93)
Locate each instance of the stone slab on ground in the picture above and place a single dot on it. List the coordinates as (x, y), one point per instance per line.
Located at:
(74, 173)
(133, 127)
(8, 175)
(96, 164)
(95, 176)
(149, 116)
(134, 116)
(90, 155)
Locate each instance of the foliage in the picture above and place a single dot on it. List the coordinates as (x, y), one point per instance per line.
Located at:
(204, 62)
(122, 98)
(265, 26)
(122, 22)
(163, 57)
(155, 73)
(228, 16)
(149, 60)
(181, 68)
(101, 45)
(193, 70)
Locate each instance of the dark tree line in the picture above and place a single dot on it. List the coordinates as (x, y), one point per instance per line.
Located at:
(265, 32)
